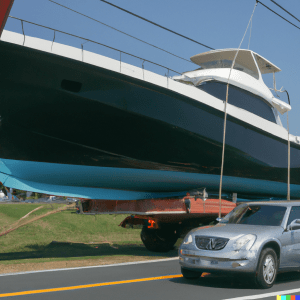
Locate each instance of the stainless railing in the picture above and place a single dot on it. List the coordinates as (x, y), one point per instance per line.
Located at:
(91, 41)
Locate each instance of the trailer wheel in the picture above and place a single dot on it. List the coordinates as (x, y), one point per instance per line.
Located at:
(159, 240)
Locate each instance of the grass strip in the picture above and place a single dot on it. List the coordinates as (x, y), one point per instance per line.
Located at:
(34, 219)
(66, 238)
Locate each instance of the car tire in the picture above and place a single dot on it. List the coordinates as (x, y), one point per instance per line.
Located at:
(267, 269)
(189, 274)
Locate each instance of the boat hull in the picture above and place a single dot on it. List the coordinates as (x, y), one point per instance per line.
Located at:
(68, 124)
(111, 183)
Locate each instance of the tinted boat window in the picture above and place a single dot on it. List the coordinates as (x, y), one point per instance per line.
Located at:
(227, 63)
(239, 98)
(265, 215)
(294, 214)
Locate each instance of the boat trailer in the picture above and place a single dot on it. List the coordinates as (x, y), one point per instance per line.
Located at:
(162, 220)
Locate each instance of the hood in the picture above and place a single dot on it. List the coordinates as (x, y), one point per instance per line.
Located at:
(233, 230)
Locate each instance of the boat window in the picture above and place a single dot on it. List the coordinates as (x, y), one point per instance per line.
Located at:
(226, 63)
(239, 98)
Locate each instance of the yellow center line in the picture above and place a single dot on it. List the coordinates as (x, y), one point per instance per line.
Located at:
(70, 288)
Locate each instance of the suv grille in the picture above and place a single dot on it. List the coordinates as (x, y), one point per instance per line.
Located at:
(210, 243)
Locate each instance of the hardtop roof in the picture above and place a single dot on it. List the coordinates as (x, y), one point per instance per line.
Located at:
(244, 58)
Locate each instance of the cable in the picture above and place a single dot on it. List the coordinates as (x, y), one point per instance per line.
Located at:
(285, 10)
(274, 13)
(119, 31)
(131, 13)
(250, 35)
(225, 115)
(289, 152)
(289, 142)
(289, 158)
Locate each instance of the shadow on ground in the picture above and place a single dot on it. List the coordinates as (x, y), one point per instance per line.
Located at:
(231, 282)
(215, 281)
(287, 277)
(72, 250)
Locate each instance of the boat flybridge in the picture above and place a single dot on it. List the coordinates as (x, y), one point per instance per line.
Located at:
(246, 75)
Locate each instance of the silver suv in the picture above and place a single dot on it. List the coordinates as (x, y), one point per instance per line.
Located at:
(257, 239)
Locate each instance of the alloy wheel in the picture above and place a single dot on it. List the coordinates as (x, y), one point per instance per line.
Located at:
(269, 269)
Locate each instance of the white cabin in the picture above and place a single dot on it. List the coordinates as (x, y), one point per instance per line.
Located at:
(246, 75)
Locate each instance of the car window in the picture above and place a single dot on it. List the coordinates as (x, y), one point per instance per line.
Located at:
(235, 214)
(294, 214)
(265, 215)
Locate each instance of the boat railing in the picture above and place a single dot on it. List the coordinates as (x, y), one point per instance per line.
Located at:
(98, 43)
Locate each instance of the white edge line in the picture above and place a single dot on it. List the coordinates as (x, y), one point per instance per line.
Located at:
(88, 267)
(265, 295)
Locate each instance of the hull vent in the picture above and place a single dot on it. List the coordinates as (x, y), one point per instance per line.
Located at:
(71, 86)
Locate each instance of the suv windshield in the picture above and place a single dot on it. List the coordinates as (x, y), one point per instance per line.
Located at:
(266, 215)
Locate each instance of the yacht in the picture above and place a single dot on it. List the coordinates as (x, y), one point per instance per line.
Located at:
(80, 124)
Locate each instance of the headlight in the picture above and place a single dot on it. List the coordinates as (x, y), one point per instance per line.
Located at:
(188, 239)
(245, 242)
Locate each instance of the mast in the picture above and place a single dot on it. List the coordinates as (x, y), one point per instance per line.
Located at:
(5, 7)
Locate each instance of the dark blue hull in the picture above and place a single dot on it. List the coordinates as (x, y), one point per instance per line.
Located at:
(56, 110)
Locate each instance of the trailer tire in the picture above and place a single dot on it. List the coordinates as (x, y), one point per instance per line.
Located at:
(159, 240)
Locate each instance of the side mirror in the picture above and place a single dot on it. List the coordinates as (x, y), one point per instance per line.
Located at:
(295, 225)
(220, 219)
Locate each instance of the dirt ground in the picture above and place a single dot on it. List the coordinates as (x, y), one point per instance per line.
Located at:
(15, 268)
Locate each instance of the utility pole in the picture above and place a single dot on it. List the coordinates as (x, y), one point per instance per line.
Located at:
(5, 7)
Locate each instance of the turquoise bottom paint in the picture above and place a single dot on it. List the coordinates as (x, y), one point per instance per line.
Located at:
(125, 183)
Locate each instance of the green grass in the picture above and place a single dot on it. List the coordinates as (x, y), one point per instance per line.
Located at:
(61, 236)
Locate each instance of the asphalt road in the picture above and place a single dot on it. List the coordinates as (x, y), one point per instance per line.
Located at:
(208, 287)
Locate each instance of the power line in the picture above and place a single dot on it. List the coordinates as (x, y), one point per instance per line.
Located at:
(275, 14)
(285, 10)
(120, 31)
(140, 17)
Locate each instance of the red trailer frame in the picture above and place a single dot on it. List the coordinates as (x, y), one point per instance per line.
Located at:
(164, 220)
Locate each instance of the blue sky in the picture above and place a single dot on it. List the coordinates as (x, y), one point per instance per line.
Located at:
(216, 23)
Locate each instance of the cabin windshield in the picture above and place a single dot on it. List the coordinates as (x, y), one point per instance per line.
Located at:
(226, 63)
